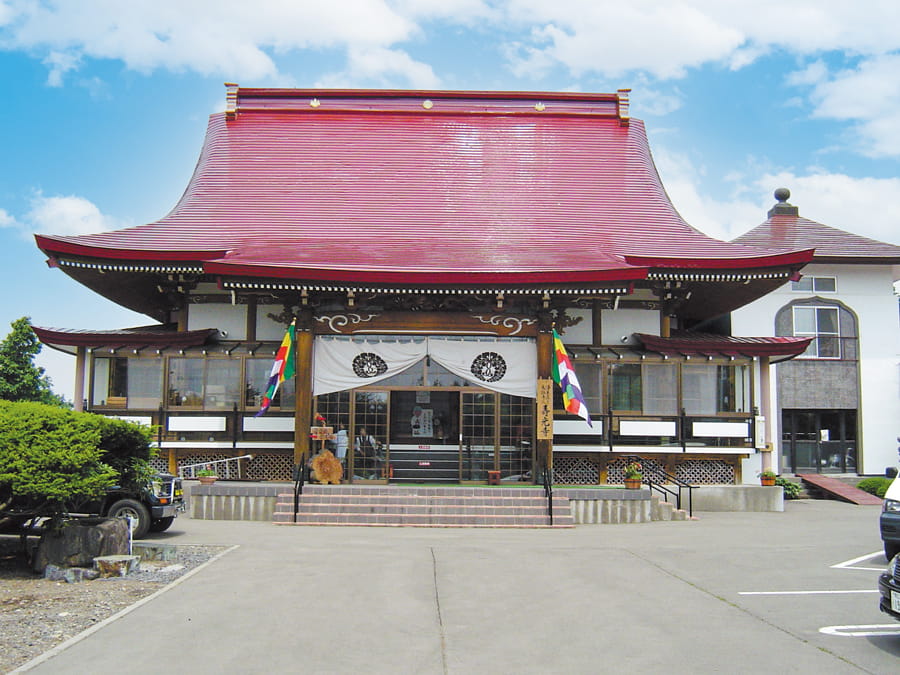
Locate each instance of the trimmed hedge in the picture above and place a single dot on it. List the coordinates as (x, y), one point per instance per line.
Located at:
(51, 457)
(876, 485)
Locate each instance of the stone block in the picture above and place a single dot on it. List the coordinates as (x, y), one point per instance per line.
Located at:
(164, 552)
(71, 575)
(117, 565)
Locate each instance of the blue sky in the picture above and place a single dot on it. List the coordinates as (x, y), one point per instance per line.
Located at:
(105, 103)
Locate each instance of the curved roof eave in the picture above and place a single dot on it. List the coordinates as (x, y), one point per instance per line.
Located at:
(426, 277)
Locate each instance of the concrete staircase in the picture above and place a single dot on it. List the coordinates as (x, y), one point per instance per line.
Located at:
(422, 506)
(661, 510)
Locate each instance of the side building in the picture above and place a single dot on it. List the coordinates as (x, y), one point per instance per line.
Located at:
(838, 405)
(425, 245)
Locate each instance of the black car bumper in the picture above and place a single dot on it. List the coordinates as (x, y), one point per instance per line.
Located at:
(890, 595)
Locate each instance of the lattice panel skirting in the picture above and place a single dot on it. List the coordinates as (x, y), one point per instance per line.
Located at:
(187, 460)
(160, 464)
(705, 472)
(651, 468)
(576, 471)
(263, 466)
(271, 466)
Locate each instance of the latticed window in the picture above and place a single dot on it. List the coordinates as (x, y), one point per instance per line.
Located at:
(822, 324)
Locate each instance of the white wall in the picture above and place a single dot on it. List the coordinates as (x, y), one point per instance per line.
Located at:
(868, 291)
(621, 323)
(582, 333)
(230, 319)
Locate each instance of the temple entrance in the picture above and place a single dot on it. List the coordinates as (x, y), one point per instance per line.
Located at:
(432, 435)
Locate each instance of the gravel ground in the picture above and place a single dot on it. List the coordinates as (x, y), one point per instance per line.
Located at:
(37, 614)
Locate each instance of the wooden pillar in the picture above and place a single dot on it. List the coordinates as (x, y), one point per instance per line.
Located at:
(597, 323)
(304, 385)
(80, 365)
(665, 325)
(765, 409)
(544, 364)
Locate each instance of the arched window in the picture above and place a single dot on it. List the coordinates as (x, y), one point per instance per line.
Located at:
(831, 323)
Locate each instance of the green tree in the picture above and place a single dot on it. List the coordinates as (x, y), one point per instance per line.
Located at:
(20, 378)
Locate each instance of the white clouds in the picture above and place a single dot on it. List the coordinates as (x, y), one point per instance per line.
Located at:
(381, 67)
(667, 39)
(869, 207)
(69, 215)
(229, 38)
(59, 64)
(613, 38)
(7, 220)
(867, 95)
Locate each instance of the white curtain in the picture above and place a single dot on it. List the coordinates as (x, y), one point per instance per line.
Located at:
(506, 365)
(341, 363)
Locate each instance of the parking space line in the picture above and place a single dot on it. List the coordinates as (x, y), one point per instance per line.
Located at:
(872, 630)
(850, 564)
(866, 590)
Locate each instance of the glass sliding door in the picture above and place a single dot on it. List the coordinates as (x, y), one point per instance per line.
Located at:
(369, 458)
(819, 441)
(424, 436)
(479, 435)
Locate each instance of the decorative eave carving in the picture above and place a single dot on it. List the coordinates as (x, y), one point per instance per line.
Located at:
(418, 323)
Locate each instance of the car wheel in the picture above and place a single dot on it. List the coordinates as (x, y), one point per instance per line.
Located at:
(161, 524)
(140, 516)
(891, 549)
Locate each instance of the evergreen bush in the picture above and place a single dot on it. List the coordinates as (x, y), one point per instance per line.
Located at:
(877, 485)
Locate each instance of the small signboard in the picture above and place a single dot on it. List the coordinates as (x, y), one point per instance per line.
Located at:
(322, 433)
(545, 409)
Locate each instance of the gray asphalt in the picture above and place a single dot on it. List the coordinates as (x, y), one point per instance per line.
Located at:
(595, 599)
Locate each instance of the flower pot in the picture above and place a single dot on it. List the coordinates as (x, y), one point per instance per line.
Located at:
(767, 480)
(207, 480)
(633, 483)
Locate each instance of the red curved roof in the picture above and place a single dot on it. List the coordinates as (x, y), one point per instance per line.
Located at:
(424, 187)
(687, 343)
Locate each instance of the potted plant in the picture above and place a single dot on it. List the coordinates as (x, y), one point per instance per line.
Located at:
(767, 477)
(207, 476)
(634, 473)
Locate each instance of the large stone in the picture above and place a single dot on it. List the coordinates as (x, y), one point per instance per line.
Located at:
(79, 540)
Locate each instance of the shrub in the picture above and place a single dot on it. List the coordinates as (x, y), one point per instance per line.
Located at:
(877, 485)
(791, 489)
(53, 457)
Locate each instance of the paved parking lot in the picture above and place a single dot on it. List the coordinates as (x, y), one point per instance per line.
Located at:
(731, 592)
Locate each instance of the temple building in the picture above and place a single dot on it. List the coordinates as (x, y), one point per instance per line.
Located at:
(425, 244)
(836, 406)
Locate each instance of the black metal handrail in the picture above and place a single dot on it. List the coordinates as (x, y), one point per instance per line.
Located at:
(548, 492)
(299, 471)
(665, 490)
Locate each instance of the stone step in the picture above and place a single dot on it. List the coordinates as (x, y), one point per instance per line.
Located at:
(419, 507)
(422, 506)
(428, 520)
(433, 500)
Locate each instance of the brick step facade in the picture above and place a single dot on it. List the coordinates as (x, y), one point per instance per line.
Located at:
(399, 506)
